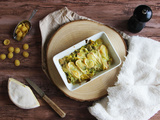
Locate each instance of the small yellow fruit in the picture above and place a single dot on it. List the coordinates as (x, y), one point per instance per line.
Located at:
(18, 38)
(24, 34)
(25, 54)
(17, 62)
(17, 30)
(25, 46)
(24, 29)
(10, 55)
(17, 50)
(3, 56)
(11, 49)
(19, 34)
(19, 26)
(6, 42)
(23, 24)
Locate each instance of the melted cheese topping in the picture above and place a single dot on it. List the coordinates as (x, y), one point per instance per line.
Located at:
(85, 62)
(74, 70)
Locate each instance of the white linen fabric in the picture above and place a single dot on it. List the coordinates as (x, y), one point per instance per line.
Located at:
(136, 94)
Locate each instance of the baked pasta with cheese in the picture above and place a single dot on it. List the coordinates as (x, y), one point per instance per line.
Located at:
(86, 61)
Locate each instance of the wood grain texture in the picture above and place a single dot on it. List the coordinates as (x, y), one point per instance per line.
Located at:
(112, 12)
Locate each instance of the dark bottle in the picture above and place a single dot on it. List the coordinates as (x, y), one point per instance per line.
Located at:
(141, 15)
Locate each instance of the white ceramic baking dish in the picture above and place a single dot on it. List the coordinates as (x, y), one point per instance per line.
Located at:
(112, 53)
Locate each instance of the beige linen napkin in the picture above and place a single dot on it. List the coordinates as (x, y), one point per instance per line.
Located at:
(50, 24)
(136, 94)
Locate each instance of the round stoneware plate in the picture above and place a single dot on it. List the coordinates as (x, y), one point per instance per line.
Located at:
(72, 33)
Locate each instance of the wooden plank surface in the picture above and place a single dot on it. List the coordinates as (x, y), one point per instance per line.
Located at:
(112, 12)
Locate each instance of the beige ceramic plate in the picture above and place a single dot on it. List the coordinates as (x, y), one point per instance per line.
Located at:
(67, 36)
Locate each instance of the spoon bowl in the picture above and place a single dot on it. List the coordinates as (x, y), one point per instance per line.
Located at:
(16, 28)
(23, 27)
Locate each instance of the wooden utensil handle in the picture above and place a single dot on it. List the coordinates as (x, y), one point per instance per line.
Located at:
(54, 106)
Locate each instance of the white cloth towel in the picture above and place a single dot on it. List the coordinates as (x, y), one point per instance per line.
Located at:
(136, 94)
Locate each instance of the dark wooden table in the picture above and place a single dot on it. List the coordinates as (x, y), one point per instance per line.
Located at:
(113, 12)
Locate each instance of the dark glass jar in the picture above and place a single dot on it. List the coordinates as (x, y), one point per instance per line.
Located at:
(141, 15)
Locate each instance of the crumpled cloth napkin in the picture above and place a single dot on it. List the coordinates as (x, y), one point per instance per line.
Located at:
(50, 24)
(136, 94)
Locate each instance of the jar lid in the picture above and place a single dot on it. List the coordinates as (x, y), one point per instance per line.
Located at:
(143, 13)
